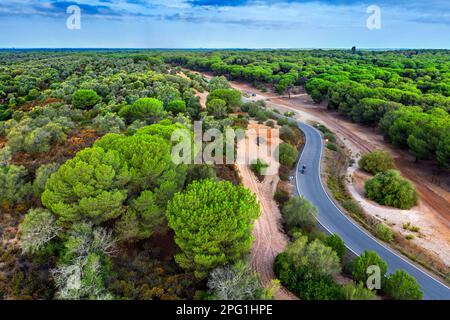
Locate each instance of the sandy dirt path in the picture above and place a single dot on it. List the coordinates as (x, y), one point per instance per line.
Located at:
(268, 233)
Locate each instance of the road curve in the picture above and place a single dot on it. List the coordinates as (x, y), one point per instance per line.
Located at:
(335, 221)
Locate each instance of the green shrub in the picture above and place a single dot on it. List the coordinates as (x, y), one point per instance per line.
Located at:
(307, 270)
(358, 291)
(363, 262)
(84, 99)
(109, 123)
(289, 114)
(149, 110)
(409, 237)
(376, 162)
(401, 286)
(270, 123)
(14, 185)
(43, 173)
(391, 189)
(330, 137)
(332, 146)
(259, 167)
(5, 113)
(288, 154)
(384, 232)
(299, 213)
(282, 121)
(337, 244)
(177, 106)
(281, 197)
(233, 98)
(213, 222)
(353, 207)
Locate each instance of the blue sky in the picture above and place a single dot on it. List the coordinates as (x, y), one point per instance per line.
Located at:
(225, 24)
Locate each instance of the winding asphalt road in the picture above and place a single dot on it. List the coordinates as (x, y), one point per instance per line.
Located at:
(335, 221)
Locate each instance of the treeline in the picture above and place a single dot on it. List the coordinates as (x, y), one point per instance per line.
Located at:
(405, 93)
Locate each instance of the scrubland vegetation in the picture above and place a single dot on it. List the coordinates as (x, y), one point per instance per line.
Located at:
(90, 194)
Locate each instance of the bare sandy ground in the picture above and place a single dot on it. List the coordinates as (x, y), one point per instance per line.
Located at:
(433, 235)
(432, 215)
(268, 233)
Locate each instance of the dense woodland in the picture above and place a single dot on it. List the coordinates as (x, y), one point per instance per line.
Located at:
(92, 206)
(405, 93)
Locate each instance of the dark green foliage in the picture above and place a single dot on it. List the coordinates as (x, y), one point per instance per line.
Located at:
(212, 223)
(299, 213)
(281, 197)
(149, 110)
(401, 286)
(337, 244)
(384, 232)
(332, 146)
(288, 154)
(376, 162)
(177, 106)
(217, 108)
(84, 99)
(391, 189)
(233, 98)
(307, 270)
(5, 113)
(15, 186)
(358, 292)
(259, 167)
(363, 262)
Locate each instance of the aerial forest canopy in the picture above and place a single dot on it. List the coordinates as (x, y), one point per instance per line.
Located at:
(90, 193)
(405, 93)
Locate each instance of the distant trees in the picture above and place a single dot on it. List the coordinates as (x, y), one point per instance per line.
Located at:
(376, 162)
(84, 99)
(212, 223)
(424, 133)
(391, 189)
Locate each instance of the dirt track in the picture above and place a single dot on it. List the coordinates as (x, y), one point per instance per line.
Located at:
(268, 232)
